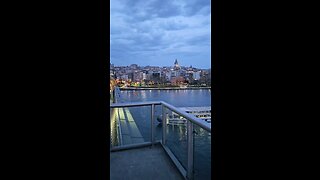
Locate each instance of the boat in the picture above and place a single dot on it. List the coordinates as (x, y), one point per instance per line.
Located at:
(173, 119)
(203, 113)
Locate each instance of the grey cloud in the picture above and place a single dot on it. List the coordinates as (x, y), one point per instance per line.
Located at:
(195, 6)
(158, 29)
(142, 9)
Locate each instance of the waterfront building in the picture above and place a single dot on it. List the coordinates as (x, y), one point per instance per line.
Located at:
(137, 76)
(174, 74)
(196, 75)
(155, 76)
(137, 73)
(124, 77)
(144, 76)
(168, 75)
(177, 80)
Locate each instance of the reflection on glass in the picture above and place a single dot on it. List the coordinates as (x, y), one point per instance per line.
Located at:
(114, 138)
(202, 153)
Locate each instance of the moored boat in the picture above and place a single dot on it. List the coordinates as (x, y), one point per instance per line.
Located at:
(203, 113)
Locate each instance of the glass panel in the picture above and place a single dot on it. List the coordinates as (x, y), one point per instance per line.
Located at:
(202, 153)
(176, 136)
(142, 118)
(134, 124)
(158, 122)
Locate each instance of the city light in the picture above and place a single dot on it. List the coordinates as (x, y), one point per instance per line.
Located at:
(154, 76)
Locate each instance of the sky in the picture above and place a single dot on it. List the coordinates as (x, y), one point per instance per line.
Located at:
(156, 32)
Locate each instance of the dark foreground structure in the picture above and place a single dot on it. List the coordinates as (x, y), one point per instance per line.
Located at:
(147, 162)
(150, 159)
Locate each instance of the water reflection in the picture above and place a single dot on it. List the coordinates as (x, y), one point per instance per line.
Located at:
(114, 139)
(143, 94)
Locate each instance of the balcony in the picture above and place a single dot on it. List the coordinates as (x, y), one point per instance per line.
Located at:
(155, 151)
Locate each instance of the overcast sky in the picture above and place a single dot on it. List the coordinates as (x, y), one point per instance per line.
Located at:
(156, 32)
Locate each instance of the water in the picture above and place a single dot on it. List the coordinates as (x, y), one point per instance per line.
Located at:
(176, 134)
(178, 98)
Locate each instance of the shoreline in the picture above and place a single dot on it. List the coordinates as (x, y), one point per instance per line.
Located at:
(162, 88)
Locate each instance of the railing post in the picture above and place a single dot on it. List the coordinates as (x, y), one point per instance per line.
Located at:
(115, 93)
(152, 124)
(164, 124)
(190, 150)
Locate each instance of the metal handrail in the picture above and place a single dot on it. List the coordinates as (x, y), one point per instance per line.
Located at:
(189, 117)
(133, 104)
(116, 94)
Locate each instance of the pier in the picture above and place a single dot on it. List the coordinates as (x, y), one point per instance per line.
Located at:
(203, 113)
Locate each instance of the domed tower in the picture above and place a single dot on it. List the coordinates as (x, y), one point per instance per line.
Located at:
(176, 64)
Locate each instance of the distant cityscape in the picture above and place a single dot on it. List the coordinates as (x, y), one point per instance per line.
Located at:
(154, 76)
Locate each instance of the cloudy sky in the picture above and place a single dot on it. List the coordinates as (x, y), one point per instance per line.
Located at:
(156, 32)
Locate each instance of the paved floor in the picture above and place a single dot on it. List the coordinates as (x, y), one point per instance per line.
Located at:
(142, 163)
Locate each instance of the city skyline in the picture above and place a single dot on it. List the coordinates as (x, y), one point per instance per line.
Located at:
(158, 32)
(151, 65)
(176, 75)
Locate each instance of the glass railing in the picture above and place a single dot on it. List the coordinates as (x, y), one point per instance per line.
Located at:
(184, 137)
(176, 136)
(202, 153)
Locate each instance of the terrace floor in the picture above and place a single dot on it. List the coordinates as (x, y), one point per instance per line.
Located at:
(143, 163)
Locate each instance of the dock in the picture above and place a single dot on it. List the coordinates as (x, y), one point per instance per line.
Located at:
(128, 129)
(203, 113)
(204, 109)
